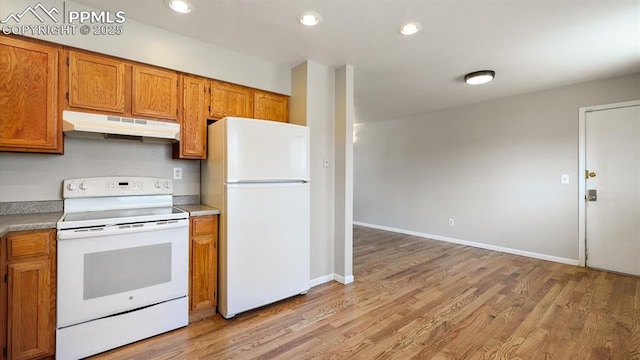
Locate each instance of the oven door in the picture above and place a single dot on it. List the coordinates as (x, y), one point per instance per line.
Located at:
(108, 270)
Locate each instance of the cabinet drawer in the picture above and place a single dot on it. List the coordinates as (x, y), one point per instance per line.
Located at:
(28, 243)
(203, 225)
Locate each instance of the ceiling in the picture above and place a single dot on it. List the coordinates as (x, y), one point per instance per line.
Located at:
(531, 44)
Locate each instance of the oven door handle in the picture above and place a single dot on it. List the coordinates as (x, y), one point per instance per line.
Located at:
(71, 234)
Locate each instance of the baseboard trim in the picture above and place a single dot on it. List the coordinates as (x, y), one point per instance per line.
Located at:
(473, 244)
(331, 277)
(321, 280)
(342, 279)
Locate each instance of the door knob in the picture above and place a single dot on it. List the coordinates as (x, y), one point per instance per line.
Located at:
(590, 174)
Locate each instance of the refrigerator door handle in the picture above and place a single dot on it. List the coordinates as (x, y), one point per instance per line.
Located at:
(270, 181)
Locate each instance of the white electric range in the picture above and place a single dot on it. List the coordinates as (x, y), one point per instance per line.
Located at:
(122, 264)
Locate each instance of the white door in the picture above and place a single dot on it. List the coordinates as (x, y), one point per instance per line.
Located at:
(261, 150)
(613, 189)
(265, 252)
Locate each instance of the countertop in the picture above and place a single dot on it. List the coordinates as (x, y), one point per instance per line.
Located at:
(17, 222)
(198, 210)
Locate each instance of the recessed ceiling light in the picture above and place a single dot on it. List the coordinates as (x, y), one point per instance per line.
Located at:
(310, 18)
(410, 28)
(479, 77)
(181, 6)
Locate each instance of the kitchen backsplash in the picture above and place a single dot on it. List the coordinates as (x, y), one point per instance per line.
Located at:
(38, 177)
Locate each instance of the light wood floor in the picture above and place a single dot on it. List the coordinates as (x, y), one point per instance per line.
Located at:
(422, 299)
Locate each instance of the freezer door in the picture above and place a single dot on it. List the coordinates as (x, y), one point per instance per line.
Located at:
(265, 255)
(260, 150)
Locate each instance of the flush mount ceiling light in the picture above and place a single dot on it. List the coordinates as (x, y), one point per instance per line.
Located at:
(479, 77)
(410, 28)
(310, 18)
(181, 6)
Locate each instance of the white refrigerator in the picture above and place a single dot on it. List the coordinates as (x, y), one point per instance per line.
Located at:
(257, 174)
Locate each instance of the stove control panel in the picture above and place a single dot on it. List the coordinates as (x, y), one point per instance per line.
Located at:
(123, 185)
(116, 186)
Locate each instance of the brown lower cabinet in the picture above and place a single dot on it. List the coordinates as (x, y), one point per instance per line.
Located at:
(203, 266)
(27, 322)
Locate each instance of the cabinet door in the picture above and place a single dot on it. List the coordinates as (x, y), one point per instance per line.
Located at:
(230, 100)
(30, 317)
(204, 262)
(3, 293)
(28, 296)
(269, 106)
(96, 82)
(193, 119)
(155, 92)
(29, 113)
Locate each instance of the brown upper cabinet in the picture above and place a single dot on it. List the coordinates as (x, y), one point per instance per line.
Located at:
(102, 83)
(235, 100)
(96, 82)
(155, 92)
(230, 100)
(270, 106)
(29, 108)
(40, 79)
(193, 119)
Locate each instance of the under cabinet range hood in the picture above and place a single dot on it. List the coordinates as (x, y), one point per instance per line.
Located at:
(107, 126)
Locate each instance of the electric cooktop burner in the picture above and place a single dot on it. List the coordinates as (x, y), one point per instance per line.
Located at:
(121, 213)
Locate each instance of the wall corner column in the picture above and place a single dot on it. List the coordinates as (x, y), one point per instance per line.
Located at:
(344, 119)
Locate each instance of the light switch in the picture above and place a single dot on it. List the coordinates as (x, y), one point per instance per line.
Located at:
(564, 178)
(325, 162)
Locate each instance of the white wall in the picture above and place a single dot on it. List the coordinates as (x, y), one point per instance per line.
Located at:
(312, 104)
(493, 167)
(343, 248)
(322, 98)
(151, 45)
(38, 177)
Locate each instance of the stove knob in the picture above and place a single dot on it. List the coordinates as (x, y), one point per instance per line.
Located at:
(158, 185)
(84, 186)
(72, 186)
(167, 184)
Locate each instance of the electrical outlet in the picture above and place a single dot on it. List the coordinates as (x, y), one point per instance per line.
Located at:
(177, 173)
(451, 222)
